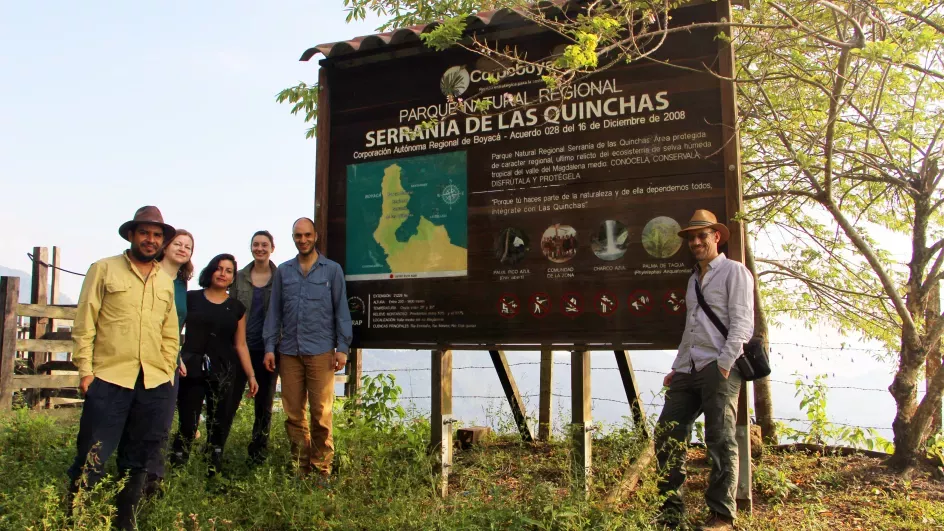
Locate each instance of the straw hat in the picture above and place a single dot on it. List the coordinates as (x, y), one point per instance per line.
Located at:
(150, 215)
(703, 219)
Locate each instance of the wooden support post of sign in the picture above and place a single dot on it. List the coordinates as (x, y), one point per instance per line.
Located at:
(545, 406)
(38, 325)
(732, 172)
(322, 166)
(743, 496)
(353, 370)
(730, 149)
(9, 295)
(441, 416)
(625, 365)
(582, 420)
(511, 393)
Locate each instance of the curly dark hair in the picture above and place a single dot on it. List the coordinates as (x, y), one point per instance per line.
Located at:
(206, 276)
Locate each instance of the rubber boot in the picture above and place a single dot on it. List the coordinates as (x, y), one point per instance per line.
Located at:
(128, 499)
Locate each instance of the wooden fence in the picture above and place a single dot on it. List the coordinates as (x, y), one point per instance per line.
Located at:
(41, 381)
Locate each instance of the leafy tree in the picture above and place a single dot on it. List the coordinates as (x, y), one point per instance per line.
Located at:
(841, 142)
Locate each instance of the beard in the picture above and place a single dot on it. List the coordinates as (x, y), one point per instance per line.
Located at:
(140, 256)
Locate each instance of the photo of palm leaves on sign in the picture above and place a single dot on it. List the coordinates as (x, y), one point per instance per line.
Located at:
(660, 237)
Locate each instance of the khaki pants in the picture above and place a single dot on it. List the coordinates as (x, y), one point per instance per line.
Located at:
(308, 379)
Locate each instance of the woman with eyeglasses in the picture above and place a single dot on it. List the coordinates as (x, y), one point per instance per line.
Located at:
(216, 361)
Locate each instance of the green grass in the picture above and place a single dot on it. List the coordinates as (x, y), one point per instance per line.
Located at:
(385, 480)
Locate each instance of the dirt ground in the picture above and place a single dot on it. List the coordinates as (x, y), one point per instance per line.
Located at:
(794, 490)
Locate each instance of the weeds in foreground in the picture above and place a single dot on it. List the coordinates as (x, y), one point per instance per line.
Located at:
(385, 480)
(820, 430)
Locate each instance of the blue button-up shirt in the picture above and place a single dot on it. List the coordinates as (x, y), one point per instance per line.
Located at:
(308, 314)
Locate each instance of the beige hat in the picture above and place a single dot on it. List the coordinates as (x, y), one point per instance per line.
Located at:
(703, 219)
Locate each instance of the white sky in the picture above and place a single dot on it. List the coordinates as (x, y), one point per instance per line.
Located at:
(108, 106)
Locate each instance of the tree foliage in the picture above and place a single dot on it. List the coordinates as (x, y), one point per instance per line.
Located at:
(841, 141)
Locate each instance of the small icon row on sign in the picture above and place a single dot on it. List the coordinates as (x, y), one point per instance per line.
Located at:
(604, 303)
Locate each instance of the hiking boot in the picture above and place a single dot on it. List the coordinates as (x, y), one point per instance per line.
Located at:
(128, 499)
(216, 461)
(153, 488)
(178, 459)
(717, 522)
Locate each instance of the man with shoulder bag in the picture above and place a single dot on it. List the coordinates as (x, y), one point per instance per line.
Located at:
(705, 377)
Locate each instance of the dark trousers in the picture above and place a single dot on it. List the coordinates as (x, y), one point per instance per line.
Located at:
(223, 393)
(263, 405)
(113, 414)
(156, 463)
(114, 417)
(690, 395)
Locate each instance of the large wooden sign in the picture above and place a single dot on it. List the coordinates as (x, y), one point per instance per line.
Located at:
(546, 222)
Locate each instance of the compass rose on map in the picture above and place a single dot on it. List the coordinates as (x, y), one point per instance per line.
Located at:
(450, 193)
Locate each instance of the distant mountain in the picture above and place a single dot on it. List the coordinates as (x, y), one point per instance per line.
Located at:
(26, 282)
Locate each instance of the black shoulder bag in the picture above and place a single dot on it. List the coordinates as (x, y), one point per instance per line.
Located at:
(753, 364)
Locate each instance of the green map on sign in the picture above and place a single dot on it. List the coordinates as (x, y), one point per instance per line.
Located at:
(407, 217)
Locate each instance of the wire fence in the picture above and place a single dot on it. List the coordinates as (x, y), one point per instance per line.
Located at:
(776, 349)
(652, 404)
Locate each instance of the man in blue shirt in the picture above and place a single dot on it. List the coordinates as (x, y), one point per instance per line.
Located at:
(310, 323)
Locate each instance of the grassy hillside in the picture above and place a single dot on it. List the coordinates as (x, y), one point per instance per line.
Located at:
(384, 481)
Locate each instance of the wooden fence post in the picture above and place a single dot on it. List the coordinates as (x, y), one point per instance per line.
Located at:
(582, 420)
(38, 325)
(441, 416)
(547, 395)
(9, 296)
(54, 284)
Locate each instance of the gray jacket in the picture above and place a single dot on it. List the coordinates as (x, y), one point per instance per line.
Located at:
(241, 289)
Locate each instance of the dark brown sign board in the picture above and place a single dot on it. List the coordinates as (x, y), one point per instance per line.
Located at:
(542, 224)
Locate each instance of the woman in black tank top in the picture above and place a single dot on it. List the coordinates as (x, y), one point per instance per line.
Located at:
(216, 362)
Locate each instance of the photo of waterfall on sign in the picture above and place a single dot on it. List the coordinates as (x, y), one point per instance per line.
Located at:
(609, 242)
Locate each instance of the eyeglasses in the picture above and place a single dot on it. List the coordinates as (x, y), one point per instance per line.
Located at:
(703, 236)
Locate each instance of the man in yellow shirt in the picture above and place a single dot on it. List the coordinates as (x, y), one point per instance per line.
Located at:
(126, 342)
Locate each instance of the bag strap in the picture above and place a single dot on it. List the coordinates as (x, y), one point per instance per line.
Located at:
(708, 311)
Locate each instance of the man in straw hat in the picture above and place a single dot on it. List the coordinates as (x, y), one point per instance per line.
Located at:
(704, 378)
(126, 341)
